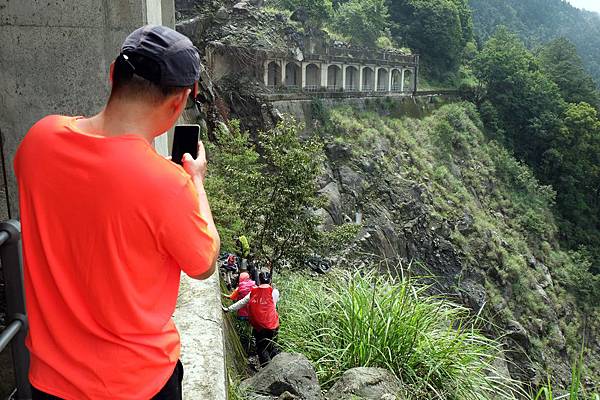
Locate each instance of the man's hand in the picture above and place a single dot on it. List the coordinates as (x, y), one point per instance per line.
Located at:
(196, 168)
(225, 309)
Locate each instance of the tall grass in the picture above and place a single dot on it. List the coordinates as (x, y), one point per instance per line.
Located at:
(430, 344)
(575, 390)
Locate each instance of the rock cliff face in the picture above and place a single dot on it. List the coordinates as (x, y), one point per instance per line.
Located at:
(434, 194)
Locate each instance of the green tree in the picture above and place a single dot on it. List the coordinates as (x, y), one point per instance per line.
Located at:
(561, 62)
(527, 103)
(318, 11)
(283, 221)
(574, 161)
(439, 30)
(232, 182)
(364, 21)
(266, 190)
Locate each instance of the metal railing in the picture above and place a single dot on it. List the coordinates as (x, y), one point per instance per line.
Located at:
(16, 316)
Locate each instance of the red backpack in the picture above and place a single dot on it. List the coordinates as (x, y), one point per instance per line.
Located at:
(261, 309)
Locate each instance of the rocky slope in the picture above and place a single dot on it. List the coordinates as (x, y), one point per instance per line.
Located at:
(435, 193)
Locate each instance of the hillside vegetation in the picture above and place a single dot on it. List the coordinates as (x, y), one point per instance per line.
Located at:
(540, 21)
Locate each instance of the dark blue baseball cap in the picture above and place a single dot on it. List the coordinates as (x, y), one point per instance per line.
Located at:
(177, 57)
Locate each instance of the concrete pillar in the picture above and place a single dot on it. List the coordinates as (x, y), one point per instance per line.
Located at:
(303, 73)
(324, 71)
(360, 78)
(266, 75)
(389, 86)
(282, 72)
(343, 77)
(402, 81)
(415, 78)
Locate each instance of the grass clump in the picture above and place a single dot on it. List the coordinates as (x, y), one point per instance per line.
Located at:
(369, 320)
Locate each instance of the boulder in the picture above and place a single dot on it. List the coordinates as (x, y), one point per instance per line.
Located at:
(364, 383)
(334, 201)
(221, 15)
(192, 27)
(287, 372)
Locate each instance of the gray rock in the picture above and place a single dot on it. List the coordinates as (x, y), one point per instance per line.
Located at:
(352, 182)
(221, 15)
(365, 384)
(192, 27)
(334, 201)
(243, 5)
(286, 372)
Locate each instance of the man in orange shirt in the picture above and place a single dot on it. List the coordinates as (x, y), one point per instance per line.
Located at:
(108, 226)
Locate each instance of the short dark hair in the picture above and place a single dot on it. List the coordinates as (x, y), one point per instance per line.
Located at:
(136, 82)
(264, 278)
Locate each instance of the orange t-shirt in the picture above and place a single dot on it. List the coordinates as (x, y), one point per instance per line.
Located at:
(108, 225)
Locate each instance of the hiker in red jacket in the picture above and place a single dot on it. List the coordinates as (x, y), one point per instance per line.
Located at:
(244, 287)
(263, 317)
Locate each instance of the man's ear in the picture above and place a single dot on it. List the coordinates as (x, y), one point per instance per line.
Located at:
(178, 101)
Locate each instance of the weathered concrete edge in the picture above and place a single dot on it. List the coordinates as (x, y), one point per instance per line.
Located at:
(199, 318)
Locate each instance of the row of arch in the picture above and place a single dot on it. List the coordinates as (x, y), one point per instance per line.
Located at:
(312, 76)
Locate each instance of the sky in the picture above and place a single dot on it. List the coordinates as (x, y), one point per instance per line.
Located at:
(591, 5)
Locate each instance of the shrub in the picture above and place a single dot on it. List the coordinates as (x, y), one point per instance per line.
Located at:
(352, 320)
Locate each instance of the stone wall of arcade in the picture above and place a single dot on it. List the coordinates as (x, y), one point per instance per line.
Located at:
(317, 76)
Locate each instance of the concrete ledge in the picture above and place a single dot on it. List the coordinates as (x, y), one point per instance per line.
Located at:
(200, 322)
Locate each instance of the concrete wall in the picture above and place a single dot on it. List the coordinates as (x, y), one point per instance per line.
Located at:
(54, 59)
(200, 322)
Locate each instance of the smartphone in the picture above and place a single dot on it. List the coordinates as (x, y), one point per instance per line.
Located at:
(185, 140)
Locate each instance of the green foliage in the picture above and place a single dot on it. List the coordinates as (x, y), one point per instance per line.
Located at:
(561, 62)
(266, 192)
(539, 21)
(318, 11)
(351, 320)
(500, 216)
(333, 241)
(363, 21)
(232, 183)
(524, 109)
(281, 218)
(439, 30)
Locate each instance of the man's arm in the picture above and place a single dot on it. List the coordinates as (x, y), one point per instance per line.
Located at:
(212, 229)
(197, 170)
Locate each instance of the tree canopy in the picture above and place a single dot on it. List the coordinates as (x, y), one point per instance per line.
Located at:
(363, 21)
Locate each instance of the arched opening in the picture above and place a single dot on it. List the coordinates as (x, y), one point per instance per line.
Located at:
(383, 80)
(334, 77)
(408, 80)
(352, 79)
(368, 83)
(274, 74)
(313, 78)
(396, 80)
(293, 75)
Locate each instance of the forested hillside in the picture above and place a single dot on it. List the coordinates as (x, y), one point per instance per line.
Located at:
(496, 198)
(539, 21)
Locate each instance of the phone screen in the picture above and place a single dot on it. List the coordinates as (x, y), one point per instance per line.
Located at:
(185, 140)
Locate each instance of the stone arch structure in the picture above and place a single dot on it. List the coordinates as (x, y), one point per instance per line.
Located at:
(293, 75)
(334, 77)
(383, 80)
(368, 79)
(313, 77)
(408, 80)
(273, 74)
(352, 83)
(396, 80)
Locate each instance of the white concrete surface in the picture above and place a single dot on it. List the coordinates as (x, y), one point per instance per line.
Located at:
(200, 322)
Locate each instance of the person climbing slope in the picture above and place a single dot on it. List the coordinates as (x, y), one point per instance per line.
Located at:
(263, 317)
(244, 287)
